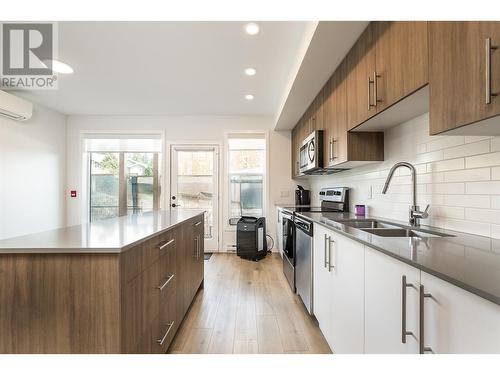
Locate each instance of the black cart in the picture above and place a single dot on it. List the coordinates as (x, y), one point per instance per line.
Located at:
(251, 240)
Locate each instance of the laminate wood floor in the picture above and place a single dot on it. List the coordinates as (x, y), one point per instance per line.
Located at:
(247, 307)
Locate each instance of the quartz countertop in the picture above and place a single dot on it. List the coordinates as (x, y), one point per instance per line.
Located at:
(468, 261)
(105, 236)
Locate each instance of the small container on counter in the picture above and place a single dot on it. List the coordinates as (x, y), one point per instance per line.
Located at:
(360, 210)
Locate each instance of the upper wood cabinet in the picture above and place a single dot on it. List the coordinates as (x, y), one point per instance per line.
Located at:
(335, 118)
(462, 87)
(401, 61)
(360, 67)
(388, 62)
(340, 146)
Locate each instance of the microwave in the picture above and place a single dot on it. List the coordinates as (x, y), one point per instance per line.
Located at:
(311, 153)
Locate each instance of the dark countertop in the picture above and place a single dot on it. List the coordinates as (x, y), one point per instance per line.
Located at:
(468, 261)
(105, 236)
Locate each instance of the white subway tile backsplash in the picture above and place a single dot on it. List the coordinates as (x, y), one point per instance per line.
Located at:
(495, 232)
(428, 157)
(458, 176)
(467, 150)
(495, 173)
(476, 138)
(446, 165)
(485, 160)
(486, 187)
(446, 188)
(495, 144)
(495, 202)
(477, 201)
(479, 214)
(448, 212)
(481, 174)
(445, 142)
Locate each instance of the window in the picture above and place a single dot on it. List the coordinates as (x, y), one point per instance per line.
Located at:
(123, 175)
(246, 175)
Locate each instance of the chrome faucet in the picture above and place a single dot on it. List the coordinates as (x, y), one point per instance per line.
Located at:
(415, 214)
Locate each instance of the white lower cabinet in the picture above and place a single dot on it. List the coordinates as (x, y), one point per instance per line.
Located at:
(339, 290)
(456, 321)
(391, 305)
(368, 302)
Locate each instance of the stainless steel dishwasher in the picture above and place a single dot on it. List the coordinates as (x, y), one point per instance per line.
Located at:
(304, 261)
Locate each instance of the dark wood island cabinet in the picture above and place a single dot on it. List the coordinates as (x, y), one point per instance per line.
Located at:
(84, 299)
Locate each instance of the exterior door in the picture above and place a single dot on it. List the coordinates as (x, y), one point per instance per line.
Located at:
(195, 186)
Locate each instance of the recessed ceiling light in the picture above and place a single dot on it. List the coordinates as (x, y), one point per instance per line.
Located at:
(62, 68)
(250, 71)
(249, 97)
(252, 28)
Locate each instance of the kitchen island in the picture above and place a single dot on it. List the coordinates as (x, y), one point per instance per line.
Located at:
(121, 285)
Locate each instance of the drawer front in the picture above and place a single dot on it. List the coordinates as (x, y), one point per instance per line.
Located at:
(139, 258)
(168, 253)
(168, 320)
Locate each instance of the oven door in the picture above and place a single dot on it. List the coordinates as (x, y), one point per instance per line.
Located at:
(288, 246)
(288, 234)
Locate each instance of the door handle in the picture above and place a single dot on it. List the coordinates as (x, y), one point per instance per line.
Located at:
(404, 332)
(370, 105)
(161, 287)
(167, 244)
(330, 241)
(488, 48)
(326, 242)
(375, 88)
(162, 340)
(423, 349)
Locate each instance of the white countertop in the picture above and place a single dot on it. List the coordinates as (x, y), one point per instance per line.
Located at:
(104, 236)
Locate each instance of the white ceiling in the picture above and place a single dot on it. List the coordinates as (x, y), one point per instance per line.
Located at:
(174, 68)
(327, 47)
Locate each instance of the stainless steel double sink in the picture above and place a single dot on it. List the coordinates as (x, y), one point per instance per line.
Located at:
(388, 229)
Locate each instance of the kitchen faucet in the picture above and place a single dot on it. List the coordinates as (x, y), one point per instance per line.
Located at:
(415, 214)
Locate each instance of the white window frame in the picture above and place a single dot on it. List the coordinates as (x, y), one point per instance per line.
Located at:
(265, 182)
(85, 175)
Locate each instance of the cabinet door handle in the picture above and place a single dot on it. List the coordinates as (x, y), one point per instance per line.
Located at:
(167, 244)
(423, 349)
(330, 265)
(162, 340)
(404, 332)
(199, 247)
(326, 246)
(161, 287)
(198, 223)
(375, 89)
(370, 105)
(489, 48)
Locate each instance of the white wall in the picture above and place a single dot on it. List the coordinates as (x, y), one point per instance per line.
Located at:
(32, 173)
(194, 129)
(458, 176)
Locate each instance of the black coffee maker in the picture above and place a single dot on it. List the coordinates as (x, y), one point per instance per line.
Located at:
(302, 196)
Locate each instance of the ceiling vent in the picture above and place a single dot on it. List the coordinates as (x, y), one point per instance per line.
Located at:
(15, 108)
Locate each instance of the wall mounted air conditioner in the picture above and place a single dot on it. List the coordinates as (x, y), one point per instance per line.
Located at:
(15, 108)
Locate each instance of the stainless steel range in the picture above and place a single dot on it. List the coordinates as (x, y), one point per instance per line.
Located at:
(297, 242)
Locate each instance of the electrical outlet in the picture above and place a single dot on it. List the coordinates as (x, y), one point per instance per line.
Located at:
(368, 194)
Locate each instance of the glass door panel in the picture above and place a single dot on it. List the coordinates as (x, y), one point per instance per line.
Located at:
(141, 171)
(104, 185)
(194, 186)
